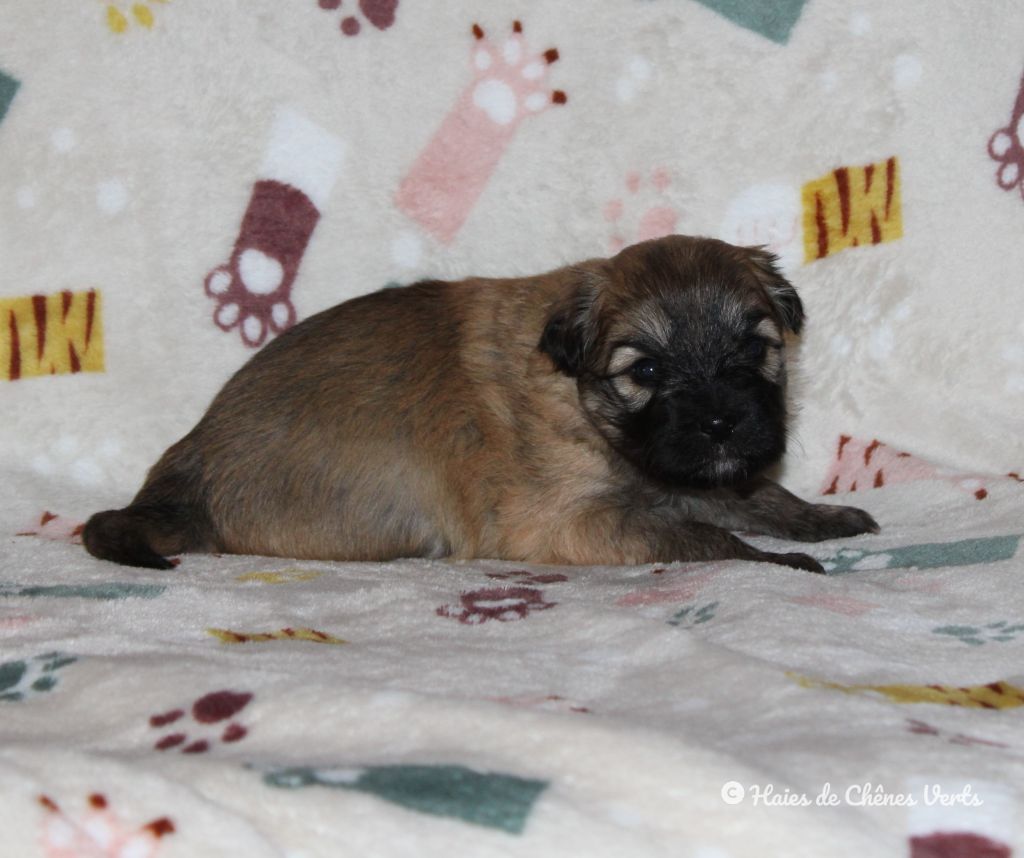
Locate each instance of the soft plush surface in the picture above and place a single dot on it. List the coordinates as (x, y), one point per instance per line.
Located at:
(180, 181)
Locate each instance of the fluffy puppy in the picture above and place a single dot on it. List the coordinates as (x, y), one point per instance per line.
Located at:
(617, 411)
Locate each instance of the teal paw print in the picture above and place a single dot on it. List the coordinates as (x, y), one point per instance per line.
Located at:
(1000, 631)
(26, 678)
(691, 615)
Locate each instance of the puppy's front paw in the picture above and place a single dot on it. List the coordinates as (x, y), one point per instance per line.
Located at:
(796, 561)
(825, 521)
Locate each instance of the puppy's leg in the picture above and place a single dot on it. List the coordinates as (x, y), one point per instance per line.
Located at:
(657, 534)
(765, 507)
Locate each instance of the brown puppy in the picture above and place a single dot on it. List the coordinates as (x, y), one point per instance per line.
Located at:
(616, 411)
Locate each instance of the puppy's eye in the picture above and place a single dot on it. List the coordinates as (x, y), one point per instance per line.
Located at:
(644, 371)
(754, 349)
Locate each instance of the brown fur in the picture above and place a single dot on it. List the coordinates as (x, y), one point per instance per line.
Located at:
(426, 421)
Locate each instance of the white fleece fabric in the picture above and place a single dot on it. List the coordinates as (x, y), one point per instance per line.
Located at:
(182, 181)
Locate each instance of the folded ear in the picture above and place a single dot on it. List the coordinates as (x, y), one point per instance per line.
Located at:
(787, 303)
(570, 329)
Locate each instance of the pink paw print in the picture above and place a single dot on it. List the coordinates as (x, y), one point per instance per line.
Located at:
(52, 526)
(642, 212)
(380, 13)
(449, 175)
(861, 465)
(509, 80)
(98, 832)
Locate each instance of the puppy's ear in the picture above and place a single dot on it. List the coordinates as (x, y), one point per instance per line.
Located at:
(781, 292)
(570, 329)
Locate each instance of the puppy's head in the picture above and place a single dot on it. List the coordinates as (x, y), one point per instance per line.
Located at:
(677, 348)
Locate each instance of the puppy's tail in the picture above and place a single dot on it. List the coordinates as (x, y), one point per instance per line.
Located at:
(142, 534)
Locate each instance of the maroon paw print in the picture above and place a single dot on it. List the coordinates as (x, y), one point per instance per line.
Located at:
(380, 13)
(211, 709)
(1007, 147)
(496, 603)
(253, 290)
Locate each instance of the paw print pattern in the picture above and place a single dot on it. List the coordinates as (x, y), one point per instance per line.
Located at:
(681, 584)
(26, 678)
(843, 605)
(12, 622)
(88, 464)
(141, 13)
(691, 615)
(504, 604)
(657, 219)
(98, 832)
(1007, 147)
(635, 76)
(509, 84)
(380, 13)
(52, 526)
(1000, 631)
(1012, 353)
(768, 214)
(510, 81)
(871, 464)
(253, 289)
(209, 714)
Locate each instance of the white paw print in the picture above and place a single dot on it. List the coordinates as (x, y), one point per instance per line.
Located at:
(1013, 353)
(880, 337)
(69, 456)
(767, 214)
(636, 73)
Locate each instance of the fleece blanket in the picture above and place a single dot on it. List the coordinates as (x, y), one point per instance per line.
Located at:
(182, 181)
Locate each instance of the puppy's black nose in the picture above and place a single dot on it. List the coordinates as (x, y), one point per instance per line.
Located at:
(717, 428)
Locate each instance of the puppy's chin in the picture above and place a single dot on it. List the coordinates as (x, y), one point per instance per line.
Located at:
(718, 472)
(718, 466)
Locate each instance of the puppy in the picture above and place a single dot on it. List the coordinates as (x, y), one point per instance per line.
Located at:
(617, 411)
